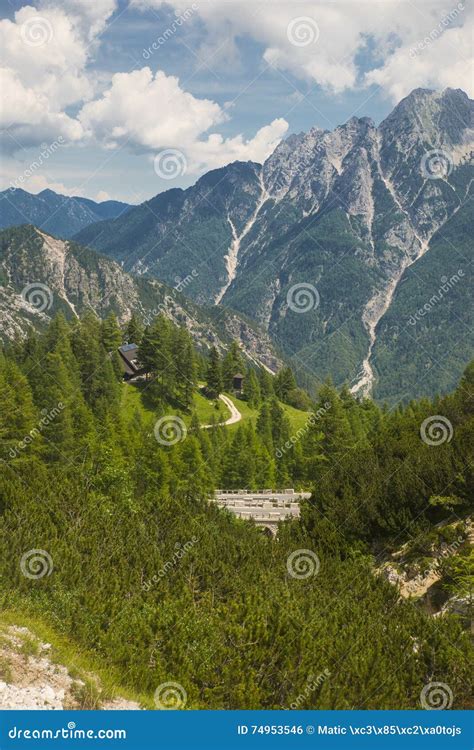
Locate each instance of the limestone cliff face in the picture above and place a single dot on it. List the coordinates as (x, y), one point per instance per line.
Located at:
(349, 212)
(40, 275)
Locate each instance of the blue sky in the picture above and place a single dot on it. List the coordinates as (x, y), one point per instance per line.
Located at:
(91, 108)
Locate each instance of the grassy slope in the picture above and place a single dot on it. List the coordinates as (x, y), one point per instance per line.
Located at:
(205, 409)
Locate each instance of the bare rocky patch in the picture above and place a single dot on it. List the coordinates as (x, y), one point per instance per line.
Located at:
(30, 679)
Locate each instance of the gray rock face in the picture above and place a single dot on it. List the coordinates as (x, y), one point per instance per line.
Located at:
(359, 206)
(41, 275)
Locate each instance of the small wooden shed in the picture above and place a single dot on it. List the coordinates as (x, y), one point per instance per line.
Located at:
(238, 382)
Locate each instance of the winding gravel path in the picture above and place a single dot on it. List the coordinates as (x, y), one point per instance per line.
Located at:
(235, 415)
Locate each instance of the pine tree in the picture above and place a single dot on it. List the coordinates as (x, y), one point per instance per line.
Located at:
(185, 368)
(232, 364)
(264, 426)
(214, 374)
(133, 331)
(99, 381)
(156, 356)
(284, 383)
(266, 384)
(252, 389)
(111, 333)
(56, 400)
(19, 435)
(238, 465)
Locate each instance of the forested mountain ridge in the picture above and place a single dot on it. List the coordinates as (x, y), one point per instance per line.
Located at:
(203, 216)
(41, 275)
(318, 244)
(137, 566)
(56, 214)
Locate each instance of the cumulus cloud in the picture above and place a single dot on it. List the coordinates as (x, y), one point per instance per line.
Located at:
(217, 151)
(148, 111)
(332, 43)
(49, 90)
(90, 15)
(151, 112)
(47, 51)
(29, 115)
(431, 64)
(34, 182)
(45, 54)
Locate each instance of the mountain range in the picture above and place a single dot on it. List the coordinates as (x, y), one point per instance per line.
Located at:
(351, 249)
(57, 214)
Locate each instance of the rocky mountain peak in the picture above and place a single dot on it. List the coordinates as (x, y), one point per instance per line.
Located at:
(430, 117)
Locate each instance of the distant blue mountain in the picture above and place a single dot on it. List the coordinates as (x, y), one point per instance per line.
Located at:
(60, 215)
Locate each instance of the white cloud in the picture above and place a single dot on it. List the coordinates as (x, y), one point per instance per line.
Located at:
(101, 196)
(432, 65)
(46, 76)
(153, 112)
(217, 151)
(327, 42)
(47, 51)
(149, 111)
(39, 182)
(34, 183)
(45, 54)
(27, 111)
(90, 15)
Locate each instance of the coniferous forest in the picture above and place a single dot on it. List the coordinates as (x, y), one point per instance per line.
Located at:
(164, 586)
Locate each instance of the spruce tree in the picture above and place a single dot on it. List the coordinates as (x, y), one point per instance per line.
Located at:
(111, 333)
(232, 364)
(284, 383)
(133, 331)
(215, 384)
(266, 384)
(252, 389)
